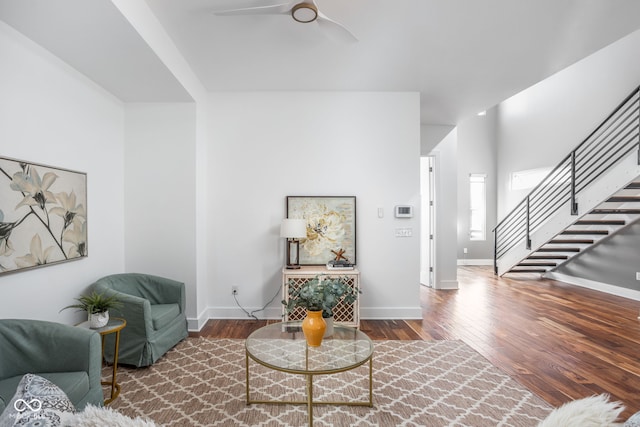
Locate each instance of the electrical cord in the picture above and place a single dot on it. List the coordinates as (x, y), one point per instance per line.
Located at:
(252, 313)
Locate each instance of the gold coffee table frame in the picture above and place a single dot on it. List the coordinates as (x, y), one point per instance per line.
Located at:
(282, 347)
(115, 325)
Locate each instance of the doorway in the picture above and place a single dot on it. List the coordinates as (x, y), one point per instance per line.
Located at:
(427, 221)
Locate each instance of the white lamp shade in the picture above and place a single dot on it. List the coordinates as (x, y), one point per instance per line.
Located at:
(293, 228)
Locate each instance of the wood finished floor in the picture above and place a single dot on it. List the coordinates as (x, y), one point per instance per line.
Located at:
(562, 342)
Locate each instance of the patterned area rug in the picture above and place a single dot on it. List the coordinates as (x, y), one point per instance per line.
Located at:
(201, 382)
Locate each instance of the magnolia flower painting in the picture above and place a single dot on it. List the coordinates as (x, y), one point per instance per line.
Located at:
(43, 215)
(331, 227)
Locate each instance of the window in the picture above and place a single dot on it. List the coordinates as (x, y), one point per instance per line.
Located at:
(478, 206)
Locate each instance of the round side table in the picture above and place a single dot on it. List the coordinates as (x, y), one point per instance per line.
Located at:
(114, 326)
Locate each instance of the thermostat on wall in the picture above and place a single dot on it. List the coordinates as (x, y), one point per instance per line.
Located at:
(404, 211)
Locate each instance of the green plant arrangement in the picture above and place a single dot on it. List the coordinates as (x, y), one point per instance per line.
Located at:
(321, 293)
(95, 303)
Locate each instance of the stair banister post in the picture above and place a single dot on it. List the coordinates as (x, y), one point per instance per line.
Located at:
(528, 242)
(495, 250)
(574, 205)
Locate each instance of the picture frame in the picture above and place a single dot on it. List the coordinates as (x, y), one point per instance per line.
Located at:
(331, 227)
(43, 215)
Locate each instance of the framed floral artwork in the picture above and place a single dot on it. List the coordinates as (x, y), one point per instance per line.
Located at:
(43, 215)
(331, 227)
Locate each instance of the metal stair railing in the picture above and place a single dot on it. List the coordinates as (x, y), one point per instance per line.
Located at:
(614, 139)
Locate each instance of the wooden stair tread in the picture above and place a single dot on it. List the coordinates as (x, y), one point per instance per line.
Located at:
(633, 186)
(561, 249)
(573, 241)
(616, 211)
(601, 222)
(537, 264)
(623, 199)
(586, 232)
(548, 257)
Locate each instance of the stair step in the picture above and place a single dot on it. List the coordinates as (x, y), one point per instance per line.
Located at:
(528, 270)
(633, 186)
(600, 222)
(573, 241)
(561, 249)
(586, 232)
(548, 257)
(537, 264)
(624, 199)
(616, 211)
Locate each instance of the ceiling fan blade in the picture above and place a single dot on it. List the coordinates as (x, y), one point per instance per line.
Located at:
(276, 9)
(336, 29)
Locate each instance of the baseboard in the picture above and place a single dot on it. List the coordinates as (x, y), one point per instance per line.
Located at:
(597, 286)
(446, 284)
(234, 313)
(475, 262)
(230, 313)
(194, 324)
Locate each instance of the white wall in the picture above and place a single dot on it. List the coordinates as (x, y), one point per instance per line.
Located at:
(51, 114)
(441, 142)
(541, 125)
(431, 136)
(265, 146)
(446, 204)
(201, 187)
(160, 193)
(477, 151)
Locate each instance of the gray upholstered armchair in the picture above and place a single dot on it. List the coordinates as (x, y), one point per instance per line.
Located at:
(68, 356)
(154, 310)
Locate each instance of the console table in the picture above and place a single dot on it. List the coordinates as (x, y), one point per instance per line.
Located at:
(344, 314)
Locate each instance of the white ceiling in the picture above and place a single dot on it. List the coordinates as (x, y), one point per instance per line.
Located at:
(463, 56)
(94, 38)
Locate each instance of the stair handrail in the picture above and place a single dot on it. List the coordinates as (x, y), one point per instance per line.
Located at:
(617, 143)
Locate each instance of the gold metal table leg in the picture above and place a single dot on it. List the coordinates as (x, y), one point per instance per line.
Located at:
(115, 387)
(309, 389)
(371, 382)
(310, 399)
(246, 359)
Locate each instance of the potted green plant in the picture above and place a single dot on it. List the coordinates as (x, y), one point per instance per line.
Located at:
(97, 306)
(322, 293)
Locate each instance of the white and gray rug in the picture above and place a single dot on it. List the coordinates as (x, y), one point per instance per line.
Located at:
(201, 382)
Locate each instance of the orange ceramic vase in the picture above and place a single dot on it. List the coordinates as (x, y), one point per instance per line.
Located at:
(313, 327)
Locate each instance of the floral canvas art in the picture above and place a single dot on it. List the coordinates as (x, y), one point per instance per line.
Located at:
(43, 215)
(331, 227)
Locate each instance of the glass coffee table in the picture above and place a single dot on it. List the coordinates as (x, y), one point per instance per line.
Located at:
(282, 347)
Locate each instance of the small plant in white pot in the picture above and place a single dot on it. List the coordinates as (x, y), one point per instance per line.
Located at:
(97, 307)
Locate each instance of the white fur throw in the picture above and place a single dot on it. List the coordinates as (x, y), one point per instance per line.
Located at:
(93, 416)
(594, 411)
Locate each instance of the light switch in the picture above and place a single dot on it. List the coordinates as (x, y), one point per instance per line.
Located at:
(380, 212)
(404, 232)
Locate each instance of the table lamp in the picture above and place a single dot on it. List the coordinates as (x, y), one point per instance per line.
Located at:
(292, 230)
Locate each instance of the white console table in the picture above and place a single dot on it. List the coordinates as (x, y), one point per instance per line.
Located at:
(343, 314)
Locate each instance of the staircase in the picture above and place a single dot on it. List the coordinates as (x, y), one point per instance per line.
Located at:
(589, 196)
(604, 221)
